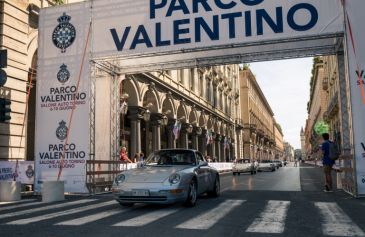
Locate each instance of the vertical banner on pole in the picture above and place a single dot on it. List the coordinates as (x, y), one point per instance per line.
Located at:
(63, 86)
(355, 28)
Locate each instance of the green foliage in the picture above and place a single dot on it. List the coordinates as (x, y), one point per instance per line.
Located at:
(246, 66)
(321, 127)
(58, 2)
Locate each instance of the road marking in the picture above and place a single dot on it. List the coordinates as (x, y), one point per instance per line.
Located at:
(147, 218)
(50, 206)
(15, 202)
(87, 219)
(272, 218)
(207, 220)
(60, 213)
(27, 204)
(336, 222)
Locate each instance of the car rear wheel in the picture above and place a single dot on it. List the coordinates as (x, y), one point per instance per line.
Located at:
(192, 195)
(216, 189)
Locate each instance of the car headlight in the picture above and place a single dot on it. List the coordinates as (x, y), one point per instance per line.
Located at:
(119, 179)
(174, 178)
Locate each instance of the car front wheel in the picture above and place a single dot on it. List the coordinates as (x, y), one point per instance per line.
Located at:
(192, 195)
(216, 189)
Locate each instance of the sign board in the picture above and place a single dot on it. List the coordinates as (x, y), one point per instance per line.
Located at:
(22, 171)
(197, 30)
(62, 40)
(356, 70)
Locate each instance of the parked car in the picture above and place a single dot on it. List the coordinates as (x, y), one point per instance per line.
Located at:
(243, 166)
(167, 176)
(266, 165)
(277, 163)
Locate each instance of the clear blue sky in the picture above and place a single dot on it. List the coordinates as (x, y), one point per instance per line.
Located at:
(285, 84)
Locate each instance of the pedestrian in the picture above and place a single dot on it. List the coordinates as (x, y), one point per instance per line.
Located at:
(135, 158)
(124, 156)
(327, 162)
(295, 162)
(141, 159)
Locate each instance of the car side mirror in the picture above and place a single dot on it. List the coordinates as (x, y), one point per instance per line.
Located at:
(202, 163)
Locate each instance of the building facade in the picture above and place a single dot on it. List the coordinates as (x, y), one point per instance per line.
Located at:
(331, 85)
(260, 141)
(288, 152)
(200, 103)
(316, 110)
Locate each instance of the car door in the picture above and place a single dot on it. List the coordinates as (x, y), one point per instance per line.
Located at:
(203, 174)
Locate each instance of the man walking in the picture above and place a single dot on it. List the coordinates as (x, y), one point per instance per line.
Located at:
(327, 162)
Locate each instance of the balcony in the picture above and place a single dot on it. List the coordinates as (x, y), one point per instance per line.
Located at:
(236, 93)
(333, 106)
(239, 123)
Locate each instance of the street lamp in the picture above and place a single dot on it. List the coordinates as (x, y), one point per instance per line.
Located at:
(189, 128)
(165, 120)
(147, 115)
(199, 131)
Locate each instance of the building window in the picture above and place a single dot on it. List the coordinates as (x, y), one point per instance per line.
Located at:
(208, 91)
(191, 78)
(201, 84)
(181, 76)
(215, 97)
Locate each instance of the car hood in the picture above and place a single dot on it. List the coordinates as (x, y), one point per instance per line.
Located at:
(149, 174)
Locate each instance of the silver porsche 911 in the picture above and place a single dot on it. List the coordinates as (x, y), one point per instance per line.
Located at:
(167, 176)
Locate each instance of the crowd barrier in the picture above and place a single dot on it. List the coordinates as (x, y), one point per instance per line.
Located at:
(220, 166)
(319, 164)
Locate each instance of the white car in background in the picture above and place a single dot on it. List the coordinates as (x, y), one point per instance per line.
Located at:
(266, 165)
(243, 166)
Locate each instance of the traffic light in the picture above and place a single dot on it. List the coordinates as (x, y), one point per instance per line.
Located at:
(3, 64)
(5, 110)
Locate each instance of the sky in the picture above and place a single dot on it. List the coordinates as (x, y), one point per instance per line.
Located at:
(285, 84)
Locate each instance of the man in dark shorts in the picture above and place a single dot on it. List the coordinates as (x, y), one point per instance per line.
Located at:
(327, 162)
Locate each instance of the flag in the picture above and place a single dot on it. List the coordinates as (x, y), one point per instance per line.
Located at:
(177, 128)
(209, 137)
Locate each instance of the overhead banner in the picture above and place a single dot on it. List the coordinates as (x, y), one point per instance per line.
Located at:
(159, 26)
(355, 29)
(61, 88)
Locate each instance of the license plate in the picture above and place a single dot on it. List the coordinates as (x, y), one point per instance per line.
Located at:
(141, 193)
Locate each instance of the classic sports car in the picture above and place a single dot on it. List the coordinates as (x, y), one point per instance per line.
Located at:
(266, 165)
(242, 166)
(167, 176)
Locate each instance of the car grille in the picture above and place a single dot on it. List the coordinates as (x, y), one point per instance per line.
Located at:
(142, 198)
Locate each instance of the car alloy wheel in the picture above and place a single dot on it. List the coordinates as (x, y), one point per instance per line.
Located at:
(192, 194)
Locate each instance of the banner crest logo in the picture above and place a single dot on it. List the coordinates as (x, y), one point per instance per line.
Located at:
(63, 74)
(61, 132)
(64, 34)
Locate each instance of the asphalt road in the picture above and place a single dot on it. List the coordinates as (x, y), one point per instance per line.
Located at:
(287, 202)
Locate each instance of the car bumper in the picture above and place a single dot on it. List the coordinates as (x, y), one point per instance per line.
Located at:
(268, 168)
(156, 193)
(242, 170)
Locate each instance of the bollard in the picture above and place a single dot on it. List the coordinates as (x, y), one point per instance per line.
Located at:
(339, 180)
(53, 191)
(10, 191)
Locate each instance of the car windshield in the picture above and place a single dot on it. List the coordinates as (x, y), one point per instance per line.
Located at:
(243, 161)
(171, 157)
